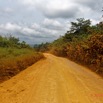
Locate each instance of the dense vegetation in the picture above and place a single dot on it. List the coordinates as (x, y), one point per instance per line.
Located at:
(12, 42)
(15, 56)
(83, 43)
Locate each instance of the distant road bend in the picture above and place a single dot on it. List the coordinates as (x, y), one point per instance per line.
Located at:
(53, 80)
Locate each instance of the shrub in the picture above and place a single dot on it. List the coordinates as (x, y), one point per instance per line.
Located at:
(14, 60)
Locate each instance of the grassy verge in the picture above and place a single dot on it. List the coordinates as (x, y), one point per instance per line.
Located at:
(13, 60)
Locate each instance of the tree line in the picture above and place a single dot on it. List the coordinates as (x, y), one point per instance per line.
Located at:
(12, 42)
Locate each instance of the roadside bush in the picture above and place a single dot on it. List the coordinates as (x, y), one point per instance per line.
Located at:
(13, 60)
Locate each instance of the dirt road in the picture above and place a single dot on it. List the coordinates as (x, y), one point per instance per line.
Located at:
(53, 80)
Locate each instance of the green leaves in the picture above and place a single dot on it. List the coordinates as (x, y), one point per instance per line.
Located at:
(12, 42)
(80, 27)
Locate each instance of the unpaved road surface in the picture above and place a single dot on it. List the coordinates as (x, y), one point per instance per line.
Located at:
(53, 80)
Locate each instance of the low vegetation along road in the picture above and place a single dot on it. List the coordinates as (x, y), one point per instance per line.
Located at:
(53, 80)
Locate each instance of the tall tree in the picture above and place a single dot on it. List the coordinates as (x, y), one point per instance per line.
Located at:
(80, 26)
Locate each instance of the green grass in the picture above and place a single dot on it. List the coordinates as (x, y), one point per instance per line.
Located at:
(13, 60)
(13, 52)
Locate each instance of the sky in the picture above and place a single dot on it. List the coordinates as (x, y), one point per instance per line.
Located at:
(37, 21)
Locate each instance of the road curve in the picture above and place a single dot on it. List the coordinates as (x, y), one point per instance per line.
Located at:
(53, 80)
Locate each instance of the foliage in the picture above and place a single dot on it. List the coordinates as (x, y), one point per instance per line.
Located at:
(12, 42)
(14, 60)
(15, 56)
(80, 27)
(42, 47)
(83, 43)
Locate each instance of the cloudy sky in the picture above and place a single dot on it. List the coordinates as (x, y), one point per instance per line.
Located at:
(36, 21)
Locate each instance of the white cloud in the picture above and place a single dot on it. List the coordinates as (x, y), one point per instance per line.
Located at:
(34, 31)
(53, 8)
(49, 22)
(44, 20)
(8, 10)
(35, 26)
(10, 27)
(64, 8)
(94, 22)
(27, 2)
(29, 31)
